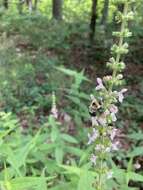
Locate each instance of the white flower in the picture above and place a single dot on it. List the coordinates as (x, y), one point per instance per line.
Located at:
(109, 175)
(113, 117)
(92, 97)
(113, 108)
(99, 147)
(94, 121)
(100, 84)
(121, 94)
(92, 137)
(102, 120)
(93, 159)
(113, 134)
(115, 146)
(137, 165)
(108, 149)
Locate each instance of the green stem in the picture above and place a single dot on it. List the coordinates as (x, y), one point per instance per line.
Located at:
(114, 74)
(121, 41)
(100, 183)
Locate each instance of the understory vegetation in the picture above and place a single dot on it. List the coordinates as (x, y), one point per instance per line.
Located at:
(49, 66)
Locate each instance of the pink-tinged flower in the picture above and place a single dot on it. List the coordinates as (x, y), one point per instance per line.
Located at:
(92, 137)
(93, 159)
(121, 94)
(113, 108)
(113, 134)
(94, 121)
(115, 146)
(109, 175)
(102, 120)
(100, 84)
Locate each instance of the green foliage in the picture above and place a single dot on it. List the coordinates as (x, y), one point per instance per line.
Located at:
(21, 153)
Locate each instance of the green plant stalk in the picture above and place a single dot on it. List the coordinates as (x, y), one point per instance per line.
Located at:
(118, 57)
(100, 183)
(121, 41)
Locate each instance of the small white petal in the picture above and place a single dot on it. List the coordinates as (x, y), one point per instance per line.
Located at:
(115, 146)
(113, 116)
(124, 90)
(100, 84)
(108, 149)
(92, 97)
(113, 134)
(137, 166)
(113, 108)
(99, 80)
(93, 159)
(94, 121)
(102, 120)
(109, 175)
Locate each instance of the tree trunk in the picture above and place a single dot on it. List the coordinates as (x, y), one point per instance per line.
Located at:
(57, 9)
(29, 5)
(20, 6)
(5, 4)
(35, 5)
(93, 19)
(105, 13)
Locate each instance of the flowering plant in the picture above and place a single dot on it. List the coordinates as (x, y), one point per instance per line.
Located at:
(103, 108)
